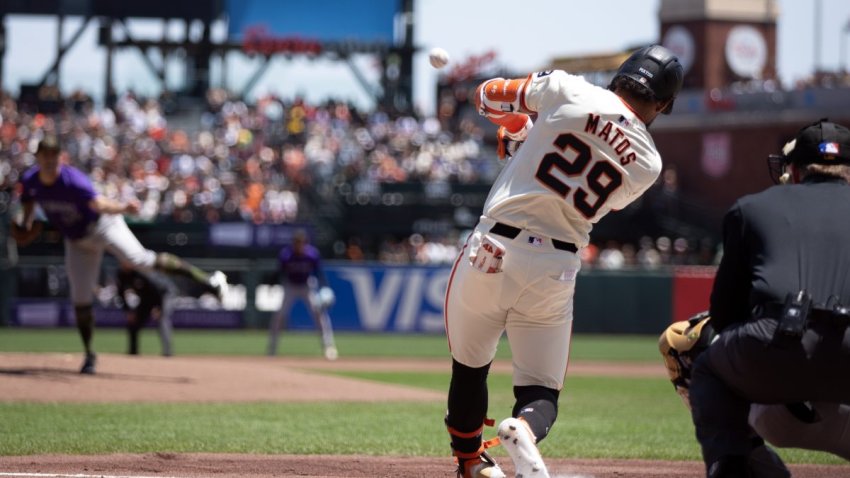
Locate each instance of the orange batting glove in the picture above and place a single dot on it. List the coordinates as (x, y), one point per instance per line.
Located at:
(508, 141)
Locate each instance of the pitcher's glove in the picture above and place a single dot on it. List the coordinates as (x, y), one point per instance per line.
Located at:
(326, 296)
(24, 236)
(680, 345)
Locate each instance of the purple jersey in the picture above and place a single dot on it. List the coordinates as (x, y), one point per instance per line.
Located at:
(65, 202)
(297, 268)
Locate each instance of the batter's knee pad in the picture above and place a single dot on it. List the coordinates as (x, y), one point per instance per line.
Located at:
(538, 406)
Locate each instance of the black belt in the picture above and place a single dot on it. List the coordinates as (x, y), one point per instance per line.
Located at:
(839, 316)
(512, 232)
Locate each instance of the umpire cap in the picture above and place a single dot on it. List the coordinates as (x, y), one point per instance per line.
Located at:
(657, 69)
(49, 143)
(822, 142)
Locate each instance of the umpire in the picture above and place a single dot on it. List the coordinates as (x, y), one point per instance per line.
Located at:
(781, 299)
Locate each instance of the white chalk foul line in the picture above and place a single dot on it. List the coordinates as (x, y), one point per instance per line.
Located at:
(63, 475)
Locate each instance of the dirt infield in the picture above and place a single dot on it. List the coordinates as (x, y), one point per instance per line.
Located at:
(167, 465)
(122, 378)
(54, 378)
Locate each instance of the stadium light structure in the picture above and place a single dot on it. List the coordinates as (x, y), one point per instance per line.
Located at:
(396, 56)
(842, 45)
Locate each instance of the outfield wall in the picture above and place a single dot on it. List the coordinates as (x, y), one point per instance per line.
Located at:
(403, 299)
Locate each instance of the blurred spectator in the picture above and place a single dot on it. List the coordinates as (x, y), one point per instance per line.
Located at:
(648, 256)
(681, 252)
(353, 251)
(589, 255)
(241, 162)
(611, 257)
(664, 246)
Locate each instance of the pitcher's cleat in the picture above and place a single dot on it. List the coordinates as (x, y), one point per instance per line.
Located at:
(519, 443)
(88, 365)
(218, 282)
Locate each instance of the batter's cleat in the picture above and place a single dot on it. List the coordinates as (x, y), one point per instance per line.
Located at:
(518, 440)
(481, 467)
(331, 353)
(88, 365)
(218, 283)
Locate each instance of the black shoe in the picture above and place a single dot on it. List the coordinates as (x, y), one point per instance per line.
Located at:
(88, 365)
(731, 466)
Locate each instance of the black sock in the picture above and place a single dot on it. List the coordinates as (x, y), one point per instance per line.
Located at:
(133, 334)
(467, 407)
(85, 325)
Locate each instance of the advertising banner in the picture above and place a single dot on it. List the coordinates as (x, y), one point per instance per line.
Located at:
(378, 298)
(320, 20)
(382, 298)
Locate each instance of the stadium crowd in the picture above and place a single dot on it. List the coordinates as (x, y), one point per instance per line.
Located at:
(647, 253)
(244, 162)
(254, 162)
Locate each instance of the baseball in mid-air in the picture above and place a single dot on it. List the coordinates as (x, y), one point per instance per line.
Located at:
(438, 57)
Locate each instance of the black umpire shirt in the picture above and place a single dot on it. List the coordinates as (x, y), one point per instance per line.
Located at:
(782, 240)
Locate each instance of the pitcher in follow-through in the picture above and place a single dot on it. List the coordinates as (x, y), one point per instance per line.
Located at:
(91, 224)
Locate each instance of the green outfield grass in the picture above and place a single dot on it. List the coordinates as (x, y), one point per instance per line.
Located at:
(600, 416)
(638, 348)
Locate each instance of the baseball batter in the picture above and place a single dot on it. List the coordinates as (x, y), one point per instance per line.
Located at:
(303, 279)
(90, 224)
(587, 153)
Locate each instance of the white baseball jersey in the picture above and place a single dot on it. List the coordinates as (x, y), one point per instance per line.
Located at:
(587, 154)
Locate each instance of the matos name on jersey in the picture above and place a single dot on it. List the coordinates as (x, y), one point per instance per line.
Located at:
(613, 135)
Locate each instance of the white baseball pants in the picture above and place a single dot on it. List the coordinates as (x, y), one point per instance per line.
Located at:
(531, 299)
(83, 256)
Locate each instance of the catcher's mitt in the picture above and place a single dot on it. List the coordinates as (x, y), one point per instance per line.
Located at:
(680, 345)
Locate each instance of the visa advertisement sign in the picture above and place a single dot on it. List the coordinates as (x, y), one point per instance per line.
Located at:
(383, 299)
(369, 298)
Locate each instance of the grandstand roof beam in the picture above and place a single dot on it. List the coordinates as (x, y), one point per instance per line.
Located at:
(2, 47)
(372, 90)
(258, 74)
(158, 72)
(62, 49)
